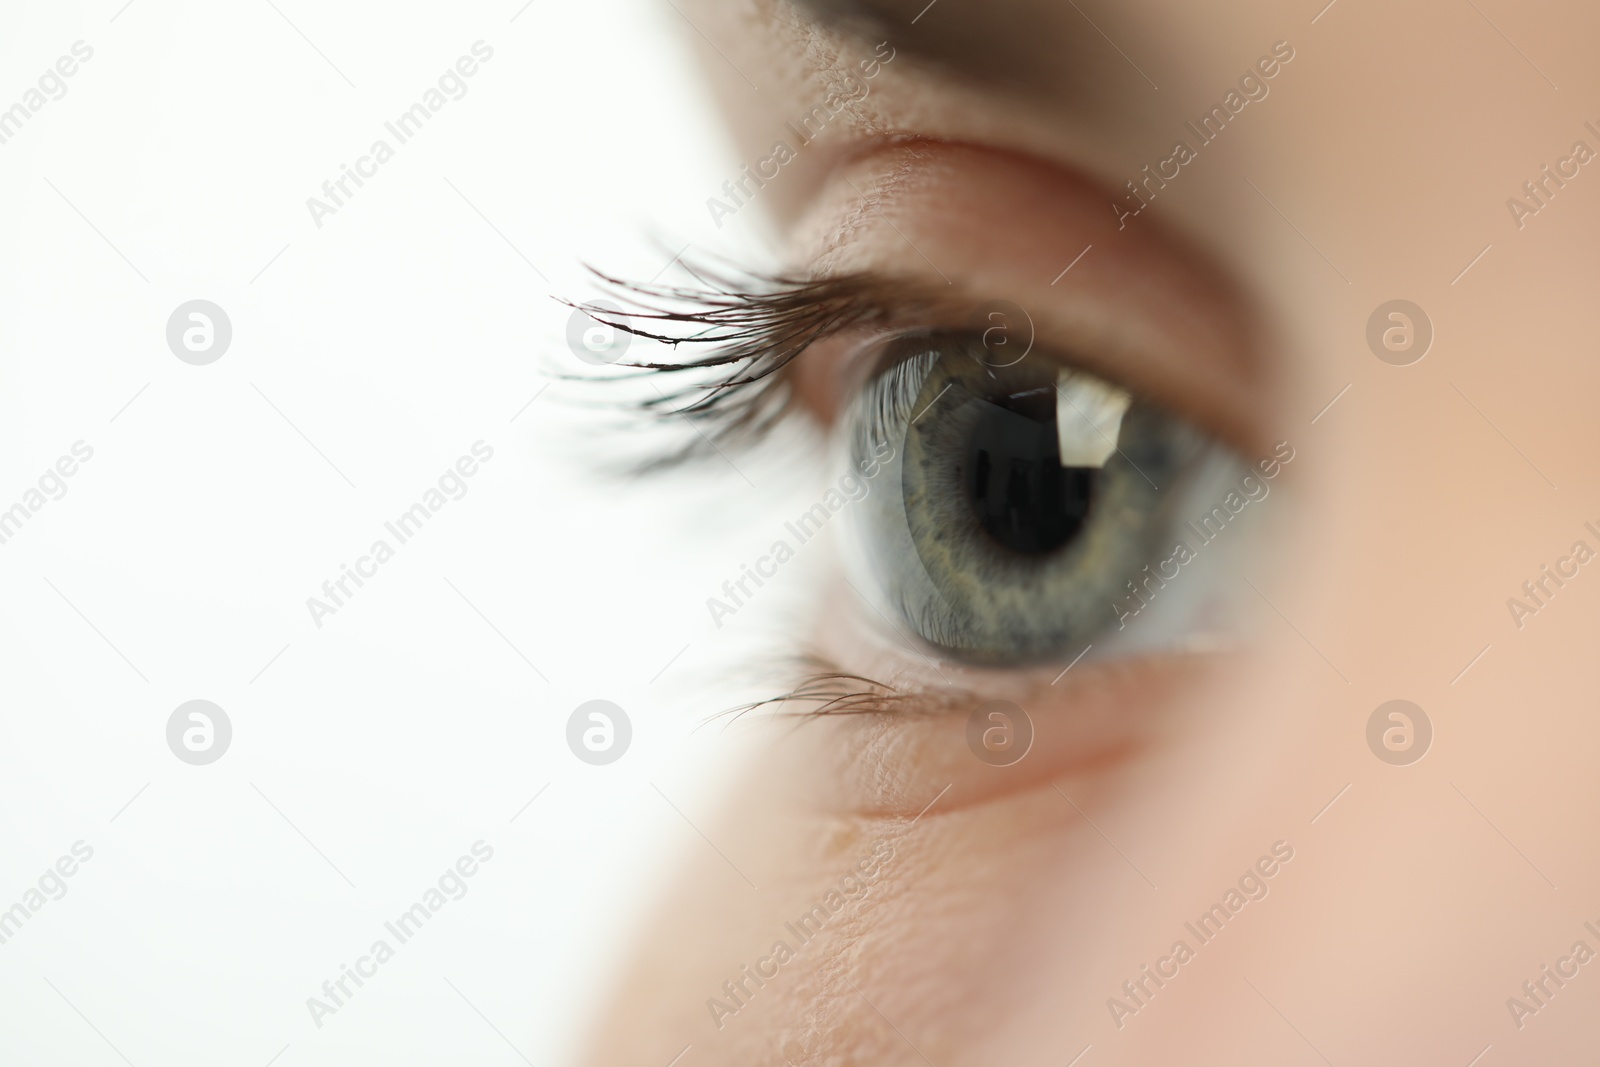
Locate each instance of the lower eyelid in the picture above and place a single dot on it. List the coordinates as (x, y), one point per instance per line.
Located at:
(1095, 720)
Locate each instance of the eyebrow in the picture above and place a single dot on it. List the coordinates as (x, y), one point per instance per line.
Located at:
(1010, 45)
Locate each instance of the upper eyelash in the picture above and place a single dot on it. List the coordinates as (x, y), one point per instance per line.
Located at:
(755, 325)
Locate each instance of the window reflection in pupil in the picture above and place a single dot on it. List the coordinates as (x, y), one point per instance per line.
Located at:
(1021, 494)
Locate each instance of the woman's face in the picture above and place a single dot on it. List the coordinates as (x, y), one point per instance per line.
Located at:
(1319, 280)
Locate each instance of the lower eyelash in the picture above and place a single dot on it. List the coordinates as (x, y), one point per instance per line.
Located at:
(833, 691)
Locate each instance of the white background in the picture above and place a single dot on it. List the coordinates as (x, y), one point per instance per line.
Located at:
(367, 355)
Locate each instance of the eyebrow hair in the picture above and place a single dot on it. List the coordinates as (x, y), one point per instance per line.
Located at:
(1001, 45)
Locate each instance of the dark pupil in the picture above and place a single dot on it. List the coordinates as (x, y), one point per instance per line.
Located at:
(1019, 490)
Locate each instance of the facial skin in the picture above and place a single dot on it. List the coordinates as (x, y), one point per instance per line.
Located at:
(1015, 902)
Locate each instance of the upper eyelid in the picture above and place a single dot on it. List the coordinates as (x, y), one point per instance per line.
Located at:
(1145, 310)
(1147, 307)
(758, 327)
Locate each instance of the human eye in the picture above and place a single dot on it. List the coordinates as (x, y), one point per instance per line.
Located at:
(1018, 509)
(1029, 464)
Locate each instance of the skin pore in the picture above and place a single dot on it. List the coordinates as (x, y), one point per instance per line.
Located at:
(999, 911)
